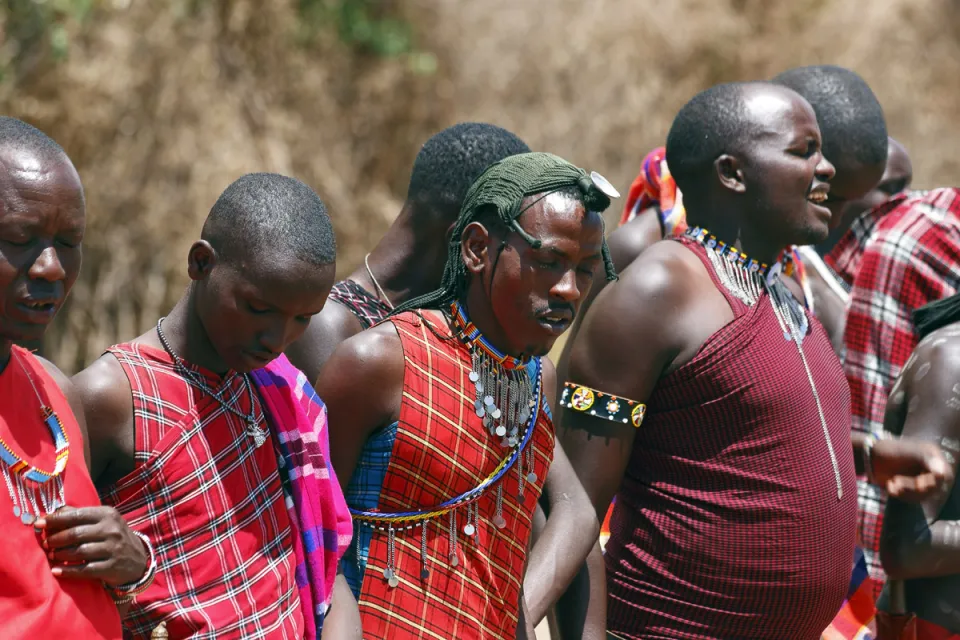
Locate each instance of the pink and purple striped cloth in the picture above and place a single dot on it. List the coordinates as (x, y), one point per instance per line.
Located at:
(320, 523)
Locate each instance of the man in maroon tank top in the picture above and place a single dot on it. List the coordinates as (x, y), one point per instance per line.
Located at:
(408, 261)
(66, 559)
(184, 441)
(736, 509)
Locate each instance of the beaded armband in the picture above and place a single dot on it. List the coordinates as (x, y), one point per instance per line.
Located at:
(125, 593)
(602, 405)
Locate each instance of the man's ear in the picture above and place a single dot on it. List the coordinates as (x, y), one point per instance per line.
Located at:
(201, 260)
(730, 173)
(475, 247)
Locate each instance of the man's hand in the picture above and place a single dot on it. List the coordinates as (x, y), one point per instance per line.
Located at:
(93, 543)
(911, 470)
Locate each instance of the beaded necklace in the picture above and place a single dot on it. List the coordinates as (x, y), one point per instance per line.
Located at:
(488, 372)
(747, 280)
(33, 491)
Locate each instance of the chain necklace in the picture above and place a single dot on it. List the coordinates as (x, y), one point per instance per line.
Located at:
(747, 280)
(380, 292)
(34, 492)
(252, 420)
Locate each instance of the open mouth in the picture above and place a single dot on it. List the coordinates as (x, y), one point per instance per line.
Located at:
(817, 197)
(555, 324)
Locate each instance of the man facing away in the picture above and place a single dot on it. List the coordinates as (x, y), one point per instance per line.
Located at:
(66, 560)
(444, 425)
(409, 259)
(207, 439)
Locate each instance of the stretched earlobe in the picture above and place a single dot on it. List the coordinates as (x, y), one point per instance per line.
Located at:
(730, 173)
(201, 260)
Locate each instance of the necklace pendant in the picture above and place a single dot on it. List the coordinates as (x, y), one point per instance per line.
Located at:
(27, 518)
(474, 377)
(531, 477)
(16, 511)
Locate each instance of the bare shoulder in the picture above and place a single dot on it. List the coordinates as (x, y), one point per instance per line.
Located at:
(326, 331)
(369, 364)
(661, 276)
(629, 241)
(938, 355)
(635, 328)
(105, 393)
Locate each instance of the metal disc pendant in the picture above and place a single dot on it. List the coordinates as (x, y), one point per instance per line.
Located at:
(481, 412)
(499, 522)
(424, 574)
(16, 511)
(27, 518)
(496, 414)
(488, 400)
(454, 560)
(531, 477)
(501, 431)
(388, 573)
(393, 582)
(487, 421)
(474, 376)
(469, 530)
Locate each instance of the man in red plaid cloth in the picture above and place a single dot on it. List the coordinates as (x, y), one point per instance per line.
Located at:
(896, 257)
(441, 416)
(192, 448)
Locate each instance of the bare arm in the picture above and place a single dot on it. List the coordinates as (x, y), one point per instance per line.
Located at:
(611, 357)
(625, 243)
(361, 384)
(570, 532)
(343, 620)
(916, 542)
(105, 394)
(327, 330)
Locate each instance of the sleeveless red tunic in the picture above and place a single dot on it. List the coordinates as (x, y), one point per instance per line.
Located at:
(441, 450)
(34, 603)
(727, 523)
(212, 504)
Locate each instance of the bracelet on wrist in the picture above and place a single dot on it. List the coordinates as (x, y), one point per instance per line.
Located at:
(125, 593)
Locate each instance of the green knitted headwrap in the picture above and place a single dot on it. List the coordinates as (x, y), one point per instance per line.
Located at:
(503, 186)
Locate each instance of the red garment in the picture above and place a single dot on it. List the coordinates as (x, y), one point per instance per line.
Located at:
(33, 603)
(898, 257)
(213, 506)
(727, 523)
(442, 450)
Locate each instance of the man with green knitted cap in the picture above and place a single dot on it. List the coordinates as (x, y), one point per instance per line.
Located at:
(441, 417)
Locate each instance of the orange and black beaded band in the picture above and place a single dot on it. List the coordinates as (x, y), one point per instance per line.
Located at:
(577, 397)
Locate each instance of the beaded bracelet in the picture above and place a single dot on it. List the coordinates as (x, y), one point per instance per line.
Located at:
(125, 593)
(602, 405)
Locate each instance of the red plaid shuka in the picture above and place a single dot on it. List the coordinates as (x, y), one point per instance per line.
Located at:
(441, 450)
(213, 506)
(727, 522)
(898, 257)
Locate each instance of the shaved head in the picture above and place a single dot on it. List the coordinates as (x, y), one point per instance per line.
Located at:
(720, 120)
(266, 213)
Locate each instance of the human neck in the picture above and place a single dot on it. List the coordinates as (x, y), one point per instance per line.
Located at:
(478, 310)
(405, 263)
(188, 339)
(726, 228)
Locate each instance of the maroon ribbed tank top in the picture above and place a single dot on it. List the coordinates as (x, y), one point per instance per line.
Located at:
(727, 523)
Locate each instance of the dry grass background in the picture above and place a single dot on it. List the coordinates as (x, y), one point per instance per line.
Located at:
(162, 104)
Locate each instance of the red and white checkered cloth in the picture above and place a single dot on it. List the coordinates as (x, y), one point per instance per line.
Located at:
(897, 257)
